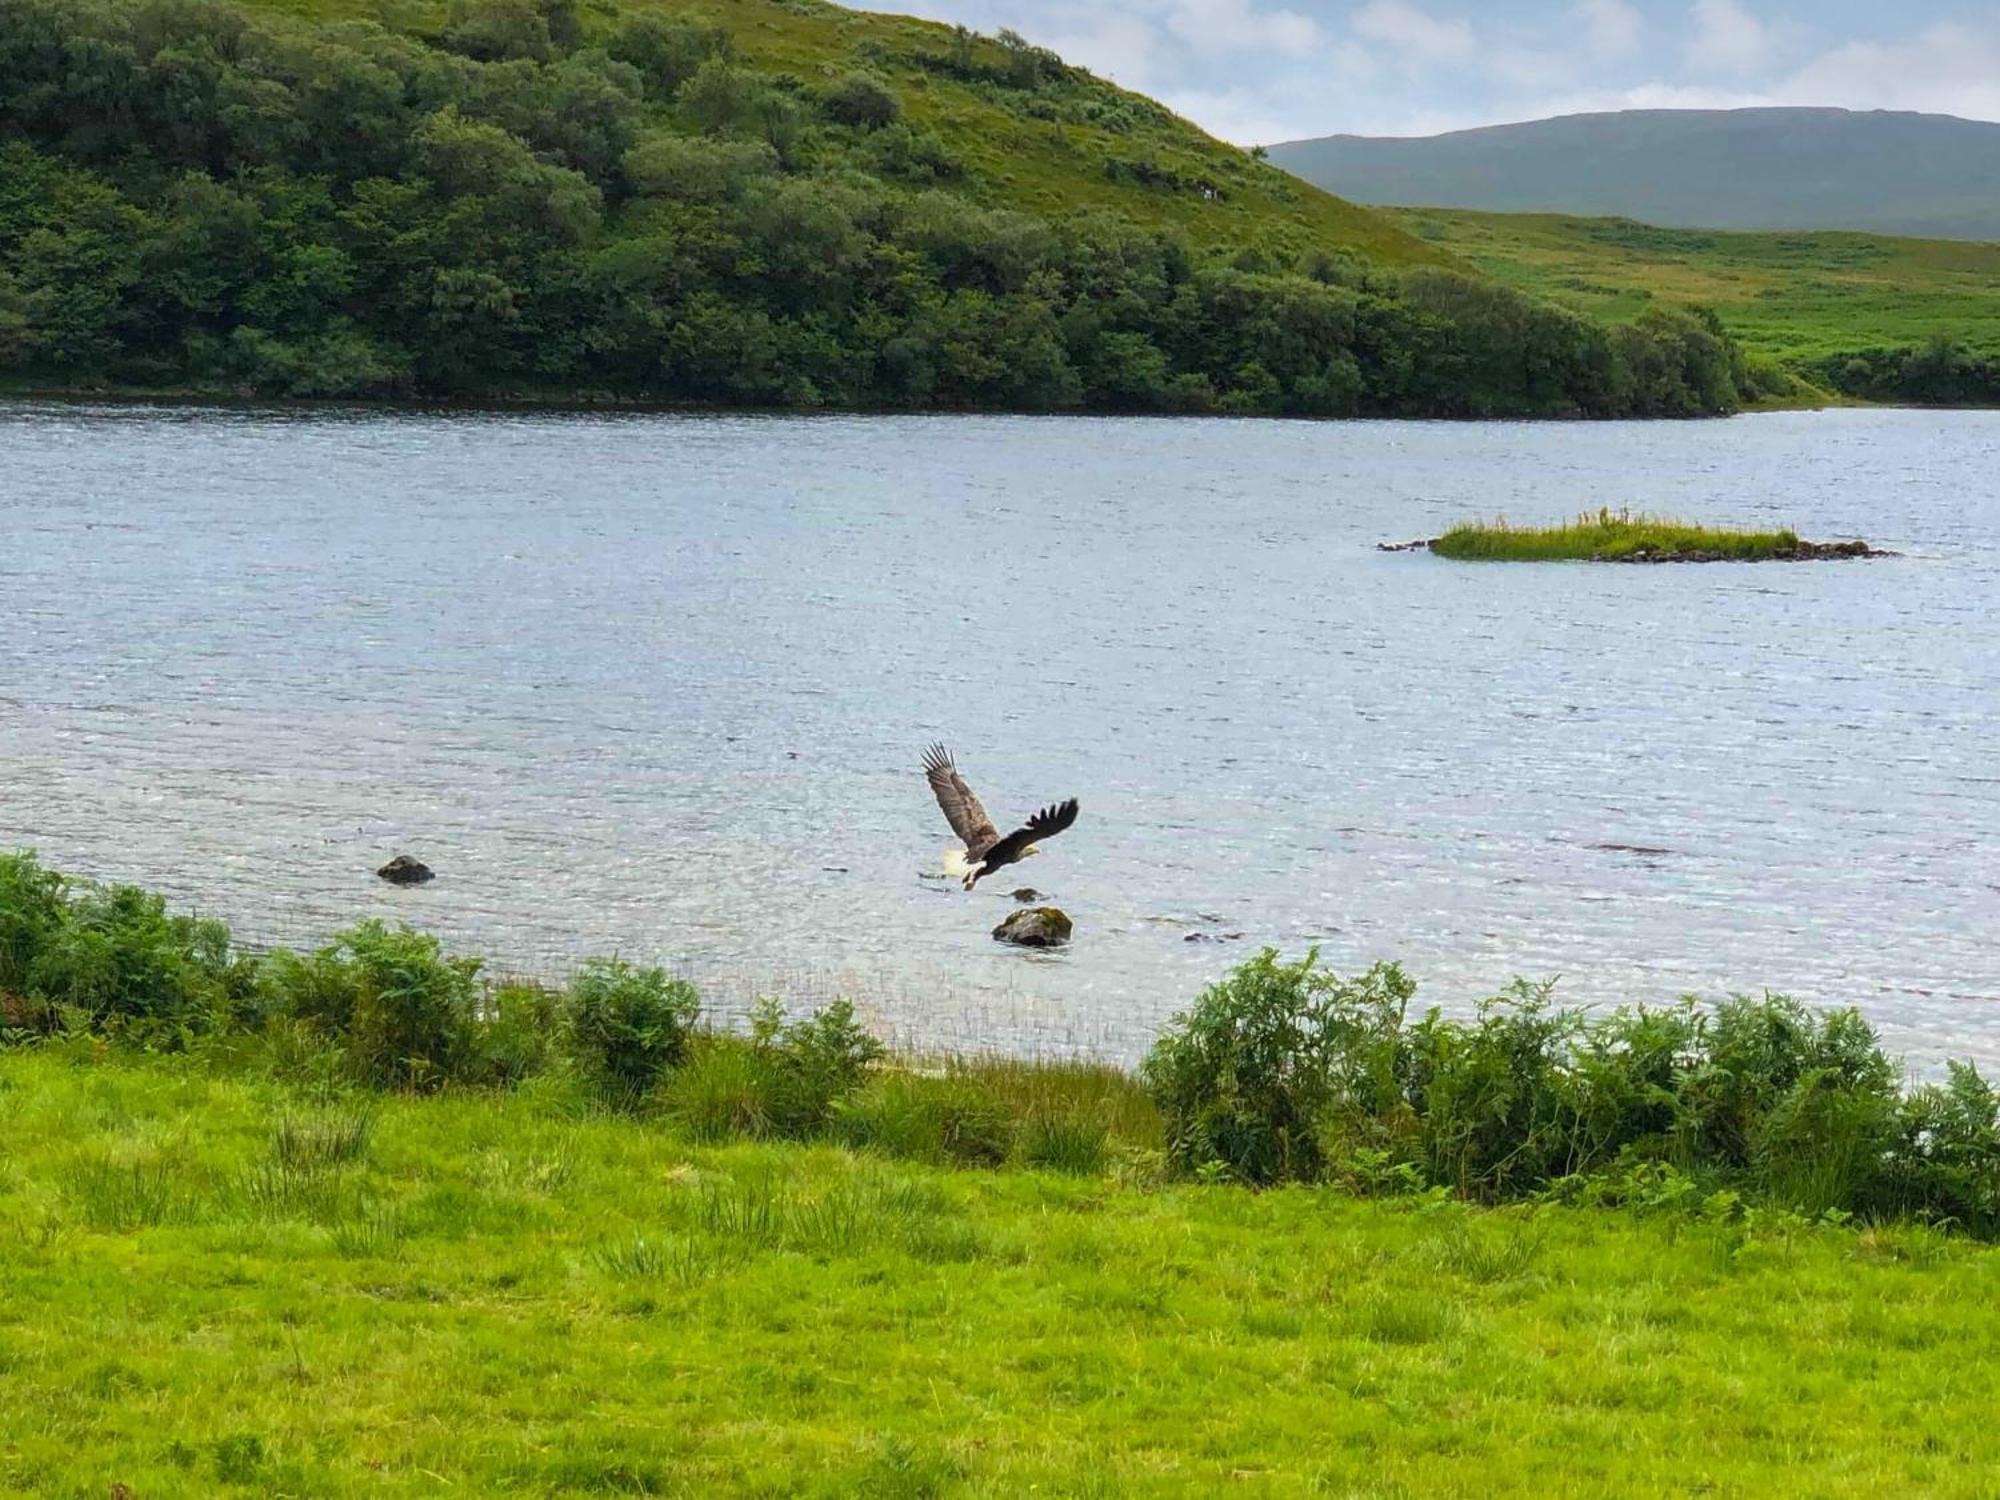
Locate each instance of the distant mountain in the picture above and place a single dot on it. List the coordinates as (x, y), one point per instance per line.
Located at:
(1890, 172)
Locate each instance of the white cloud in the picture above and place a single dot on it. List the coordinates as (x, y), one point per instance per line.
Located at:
(1111, 43)
(1611, 28)
(1422, 39)
(1948, 69)
(1528, 69)
(1238, 26)
(1265, 70)
(1240, 116)
(1726, 38)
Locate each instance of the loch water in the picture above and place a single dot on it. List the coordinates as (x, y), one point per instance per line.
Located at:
(658, 685)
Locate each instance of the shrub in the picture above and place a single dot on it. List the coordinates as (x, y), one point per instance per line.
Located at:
(1753, 1053)
(1245, 1078)
(520, 1031)
(810, 1064)
(630, 1025)
(1945, 1161)
(1825, 1144)
(1282, 1071)
(1494, 1102)
(111, 955)
(862, 100)
(783, 1080)
(31, 912)
(402, 1013)
(948, 1119)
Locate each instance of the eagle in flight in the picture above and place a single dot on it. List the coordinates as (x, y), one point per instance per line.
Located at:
(985, 851)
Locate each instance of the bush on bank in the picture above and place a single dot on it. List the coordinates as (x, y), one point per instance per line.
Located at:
(1285, 1072)
(1280, 1072)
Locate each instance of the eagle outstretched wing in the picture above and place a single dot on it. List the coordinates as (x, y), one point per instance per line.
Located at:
(1045, 824)
(961, 809)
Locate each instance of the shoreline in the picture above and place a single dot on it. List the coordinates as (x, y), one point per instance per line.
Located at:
(1279, 1072)
(612, 404)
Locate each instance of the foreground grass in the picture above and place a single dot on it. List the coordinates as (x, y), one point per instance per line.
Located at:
(217, 1284)
(1798, 296)
(1608, 536)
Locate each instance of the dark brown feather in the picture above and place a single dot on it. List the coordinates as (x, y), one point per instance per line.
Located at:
(1045, 824)
(961, 809)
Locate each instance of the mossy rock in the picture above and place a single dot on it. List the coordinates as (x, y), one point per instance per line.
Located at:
(1035, 927)
(405, 870)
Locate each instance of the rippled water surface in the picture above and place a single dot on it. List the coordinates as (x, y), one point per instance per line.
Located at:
(659, 685)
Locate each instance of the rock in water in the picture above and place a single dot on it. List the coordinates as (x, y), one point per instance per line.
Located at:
(1035, 927)
(403, 870)
(1026, 894)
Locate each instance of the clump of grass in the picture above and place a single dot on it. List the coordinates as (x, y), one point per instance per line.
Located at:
(323, 1142)
(1065, 1143)
(1409, 1318)
(367, 1228)
(925, 1118)
(722, 1090)
(1069, 1089)
(118, 1197)
(1611, 536)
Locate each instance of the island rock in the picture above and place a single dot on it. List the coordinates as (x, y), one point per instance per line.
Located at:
(1025, 894)
(1035, 927)
(403, 870)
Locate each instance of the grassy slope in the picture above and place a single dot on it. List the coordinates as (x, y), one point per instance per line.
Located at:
(1017, 162)
(499, 1295)
(1792, 295)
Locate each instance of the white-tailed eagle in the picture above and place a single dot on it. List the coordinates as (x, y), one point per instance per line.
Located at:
(985, 851)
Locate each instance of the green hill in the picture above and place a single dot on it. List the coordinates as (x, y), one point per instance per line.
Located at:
(1028, 131)
(1872, 316)
(772, 202)
(1888, 172)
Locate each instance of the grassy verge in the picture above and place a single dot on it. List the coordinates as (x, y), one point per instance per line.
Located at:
(218, 1284)
(1609, 537)
(1281, 1072)
(1847, 312)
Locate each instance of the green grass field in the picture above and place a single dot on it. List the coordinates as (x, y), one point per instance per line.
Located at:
(1608, 536)
(216, 1284)
(1794, 296)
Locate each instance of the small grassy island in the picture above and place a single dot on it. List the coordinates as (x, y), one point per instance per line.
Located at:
(1620, 536)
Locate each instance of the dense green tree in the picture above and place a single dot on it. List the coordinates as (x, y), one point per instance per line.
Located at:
(543, 197)
(863, 100)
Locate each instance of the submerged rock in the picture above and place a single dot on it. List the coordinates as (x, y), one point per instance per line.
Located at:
(404, 870)
(1025, 894)
(1035, 927)
(1808, 551)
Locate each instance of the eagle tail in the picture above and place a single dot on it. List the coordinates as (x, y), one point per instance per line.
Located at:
(956, 864)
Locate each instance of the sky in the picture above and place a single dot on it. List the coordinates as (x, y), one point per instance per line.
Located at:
(1258, 71)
